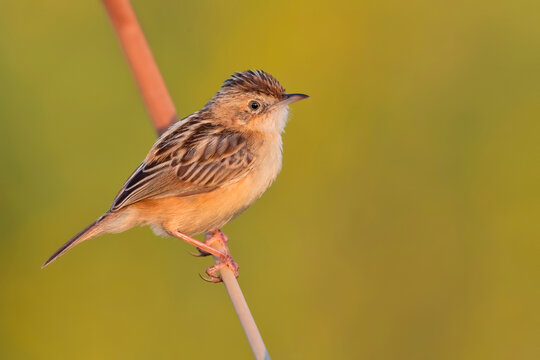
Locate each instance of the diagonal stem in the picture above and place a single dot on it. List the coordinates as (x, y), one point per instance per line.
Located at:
(241, 307)
(145, 70)
(163, 113)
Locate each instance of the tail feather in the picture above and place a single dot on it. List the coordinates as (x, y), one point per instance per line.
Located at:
(89, 232)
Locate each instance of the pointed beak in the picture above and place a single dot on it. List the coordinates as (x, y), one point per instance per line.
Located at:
(290, 98)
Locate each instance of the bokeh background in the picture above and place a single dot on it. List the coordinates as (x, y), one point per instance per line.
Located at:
(405, 223)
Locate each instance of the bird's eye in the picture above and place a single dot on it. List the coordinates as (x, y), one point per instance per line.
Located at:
(254, 105)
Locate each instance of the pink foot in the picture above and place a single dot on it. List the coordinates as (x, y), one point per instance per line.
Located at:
(214, 239)
(214, 271)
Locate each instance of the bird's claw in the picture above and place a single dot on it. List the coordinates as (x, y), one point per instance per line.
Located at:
(214, 280)
(223, 260)
(201, 253)
(213, 272)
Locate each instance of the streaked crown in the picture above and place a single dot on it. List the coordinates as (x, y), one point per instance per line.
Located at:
(256, 81)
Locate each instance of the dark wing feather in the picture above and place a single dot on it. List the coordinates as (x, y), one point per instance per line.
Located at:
(193, 157)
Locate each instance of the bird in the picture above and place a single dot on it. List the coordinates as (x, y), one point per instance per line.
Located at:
(205, 169)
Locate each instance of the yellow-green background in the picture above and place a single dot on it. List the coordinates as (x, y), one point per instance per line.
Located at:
(405, 223)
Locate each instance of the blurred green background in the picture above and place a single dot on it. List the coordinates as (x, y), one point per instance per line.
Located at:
(404, 225)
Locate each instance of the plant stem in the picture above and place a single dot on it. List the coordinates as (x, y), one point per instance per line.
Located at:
(163, 113)
(246, 319)
(145, 70)
(241, 307)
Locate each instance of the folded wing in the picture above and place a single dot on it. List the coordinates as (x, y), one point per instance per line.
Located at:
(193, 157)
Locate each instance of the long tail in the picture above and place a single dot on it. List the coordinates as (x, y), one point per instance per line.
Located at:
(91, 231)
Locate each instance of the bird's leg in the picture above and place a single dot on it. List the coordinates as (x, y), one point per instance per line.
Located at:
(214, 238)
(210, 238)
(199, 244)
(217, 239)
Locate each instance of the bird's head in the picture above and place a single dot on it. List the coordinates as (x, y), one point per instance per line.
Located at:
(253, 100)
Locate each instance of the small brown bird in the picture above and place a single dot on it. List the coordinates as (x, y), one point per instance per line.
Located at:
(206, 169)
